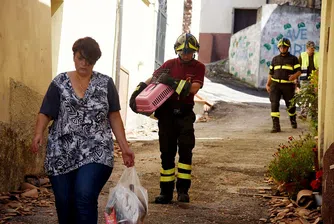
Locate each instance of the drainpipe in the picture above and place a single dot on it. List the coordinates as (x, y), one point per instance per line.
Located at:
(118, 43)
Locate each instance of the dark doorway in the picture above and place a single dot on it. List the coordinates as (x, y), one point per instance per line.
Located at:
(244, 18)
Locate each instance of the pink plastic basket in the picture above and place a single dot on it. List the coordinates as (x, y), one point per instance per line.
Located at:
(152, 97)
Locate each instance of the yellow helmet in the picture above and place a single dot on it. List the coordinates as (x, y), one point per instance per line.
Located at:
(186, 43)
(284, 42)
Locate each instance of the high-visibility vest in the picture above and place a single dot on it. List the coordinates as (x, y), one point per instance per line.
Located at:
(305, 62)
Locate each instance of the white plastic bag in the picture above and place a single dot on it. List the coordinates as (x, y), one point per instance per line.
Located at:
(128, 201)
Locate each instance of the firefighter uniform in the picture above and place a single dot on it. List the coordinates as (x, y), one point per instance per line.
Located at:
(176, 131)
(176, 117)
(280, 69)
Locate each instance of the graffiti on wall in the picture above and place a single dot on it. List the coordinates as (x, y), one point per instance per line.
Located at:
(297, 26)
(243, 54)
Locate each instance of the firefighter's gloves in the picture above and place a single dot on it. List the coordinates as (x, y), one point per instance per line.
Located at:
(141, 86)
(181, 87)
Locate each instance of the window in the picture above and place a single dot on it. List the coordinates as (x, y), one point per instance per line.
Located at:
(244, 18)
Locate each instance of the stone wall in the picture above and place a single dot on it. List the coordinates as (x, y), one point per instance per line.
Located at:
(16, 159)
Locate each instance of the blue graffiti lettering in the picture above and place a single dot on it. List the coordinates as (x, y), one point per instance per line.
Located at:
(294, 34)
(303, 34)
(297, 49)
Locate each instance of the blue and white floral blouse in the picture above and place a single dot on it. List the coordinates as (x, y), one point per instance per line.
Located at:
(80, 133)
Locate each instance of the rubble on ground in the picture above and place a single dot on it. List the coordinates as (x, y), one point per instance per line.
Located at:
(287, 211)
(33, 193)
(284, 210)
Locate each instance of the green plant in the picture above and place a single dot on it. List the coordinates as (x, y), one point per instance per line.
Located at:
(307, 96)
(294, 161)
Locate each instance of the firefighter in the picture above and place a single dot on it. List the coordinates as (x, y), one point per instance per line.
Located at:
(176, 117)
(309, 61)
(284, 71)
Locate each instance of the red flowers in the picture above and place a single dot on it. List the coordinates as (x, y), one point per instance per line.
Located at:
(317, 183)
(319, 174)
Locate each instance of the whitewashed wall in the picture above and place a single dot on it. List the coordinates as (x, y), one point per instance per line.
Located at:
(244, 54)
(222, 10)
(81, 18)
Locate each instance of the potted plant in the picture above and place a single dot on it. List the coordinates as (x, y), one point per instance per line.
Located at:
(293, 164)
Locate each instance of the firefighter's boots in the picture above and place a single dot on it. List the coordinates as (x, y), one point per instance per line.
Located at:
(293, 121)
(276, 126)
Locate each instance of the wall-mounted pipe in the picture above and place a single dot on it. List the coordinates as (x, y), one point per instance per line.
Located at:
(118, 43)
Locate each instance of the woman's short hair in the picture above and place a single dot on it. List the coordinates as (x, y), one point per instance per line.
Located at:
(88, 48)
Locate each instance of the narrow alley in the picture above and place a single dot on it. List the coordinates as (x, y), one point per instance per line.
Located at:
(230, 156)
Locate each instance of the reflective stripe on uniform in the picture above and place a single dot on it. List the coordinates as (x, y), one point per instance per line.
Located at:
(184, 166)
(292, 114)
(287, 67)
(275, 114)
(270, 67)
(167, 172)
(296, 66)
(167, 179)
(281, 80)
(180, 86)
(184, 176)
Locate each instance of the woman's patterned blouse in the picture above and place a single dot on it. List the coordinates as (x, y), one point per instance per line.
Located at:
(80, 133)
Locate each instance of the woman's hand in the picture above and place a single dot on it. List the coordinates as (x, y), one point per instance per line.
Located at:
(128, 158)
(36, 143)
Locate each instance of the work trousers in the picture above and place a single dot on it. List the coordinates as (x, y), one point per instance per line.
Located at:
(176, 134)
(277, 90)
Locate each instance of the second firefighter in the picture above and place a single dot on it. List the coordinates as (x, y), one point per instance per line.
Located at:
(284, 71)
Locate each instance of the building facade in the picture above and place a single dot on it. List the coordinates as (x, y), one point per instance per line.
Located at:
(230, 16)
(135, 36)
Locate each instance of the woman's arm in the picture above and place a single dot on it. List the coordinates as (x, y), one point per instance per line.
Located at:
(118, 129)
(42, 122)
